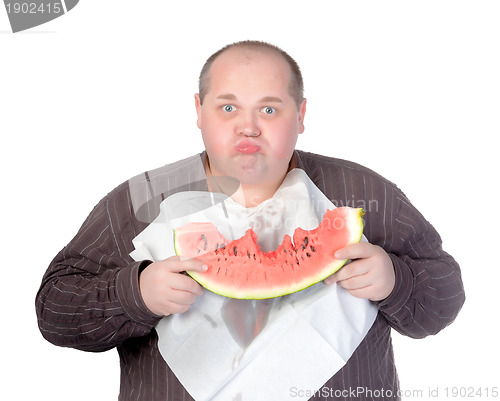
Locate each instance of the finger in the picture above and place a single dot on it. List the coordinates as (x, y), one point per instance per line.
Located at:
(365, 292)
(334, 277)
(355, 251)
(181, 297)
(186, 284)
(172, 307)
(174, 264)
(356, 282)
(356, 268)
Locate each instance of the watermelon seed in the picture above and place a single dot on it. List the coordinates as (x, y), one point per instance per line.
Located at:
(205, 242)
(308, 254)
(248, 254)
(235, 251)
(313, 249)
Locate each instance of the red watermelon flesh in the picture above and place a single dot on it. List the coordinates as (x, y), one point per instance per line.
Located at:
(240, 269)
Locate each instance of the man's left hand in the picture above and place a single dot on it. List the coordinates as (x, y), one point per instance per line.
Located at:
(369, 275)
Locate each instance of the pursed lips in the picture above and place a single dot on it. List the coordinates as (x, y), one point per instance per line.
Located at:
(247, 146)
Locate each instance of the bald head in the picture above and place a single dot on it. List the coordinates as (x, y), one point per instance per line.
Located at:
(296, 85)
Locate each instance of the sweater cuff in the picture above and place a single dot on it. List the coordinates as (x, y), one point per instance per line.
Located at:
(129, 294)
(392, 305)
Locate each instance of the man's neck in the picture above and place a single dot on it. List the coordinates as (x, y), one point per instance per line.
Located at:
(248, 195)
(251, 196)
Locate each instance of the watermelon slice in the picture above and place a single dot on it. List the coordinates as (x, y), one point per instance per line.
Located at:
(240, 269)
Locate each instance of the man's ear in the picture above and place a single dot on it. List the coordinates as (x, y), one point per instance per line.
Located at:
(302, 114)
(197, 104)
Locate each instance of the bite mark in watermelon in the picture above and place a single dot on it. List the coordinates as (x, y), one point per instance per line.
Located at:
(240, 269)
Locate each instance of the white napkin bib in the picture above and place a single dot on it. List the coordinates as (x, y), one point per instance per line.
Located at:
(225, 349)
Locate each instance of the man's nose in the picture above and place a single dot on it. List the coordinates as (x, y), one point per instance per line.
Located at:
(248, 125)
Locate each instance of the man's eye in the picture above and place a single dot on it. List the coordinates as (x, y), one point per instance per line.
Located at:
(228, 108)
(268, 110)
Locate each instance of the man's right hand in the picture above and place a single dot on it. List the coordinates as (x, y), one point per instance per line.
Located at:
(165, 290)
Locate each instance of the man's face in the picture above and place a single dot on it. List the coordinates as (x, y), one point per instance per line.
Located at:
(249, 121)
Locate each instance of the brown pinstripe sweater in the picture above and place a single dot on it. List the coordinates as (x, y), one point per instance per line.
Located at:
(89, 298)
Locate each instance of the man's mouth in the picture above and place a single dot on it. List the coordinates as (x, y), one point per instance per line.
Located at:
(247, 146)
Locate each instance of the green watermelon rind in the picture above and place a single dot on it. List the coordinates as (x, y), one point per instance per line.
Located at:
(267, 292)
(356, 226)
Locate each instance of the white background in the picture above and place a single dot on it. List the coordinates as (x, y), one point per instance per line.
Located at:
(409, 89)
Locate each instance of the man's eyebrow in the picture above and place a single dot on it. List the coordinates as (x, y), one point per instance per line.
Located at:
(265, 99)
(271, 99)
(227, 96)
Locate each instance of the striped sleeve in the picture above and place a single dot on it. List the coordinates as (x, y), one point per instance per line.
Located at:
(89, 298)
(429, 291)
